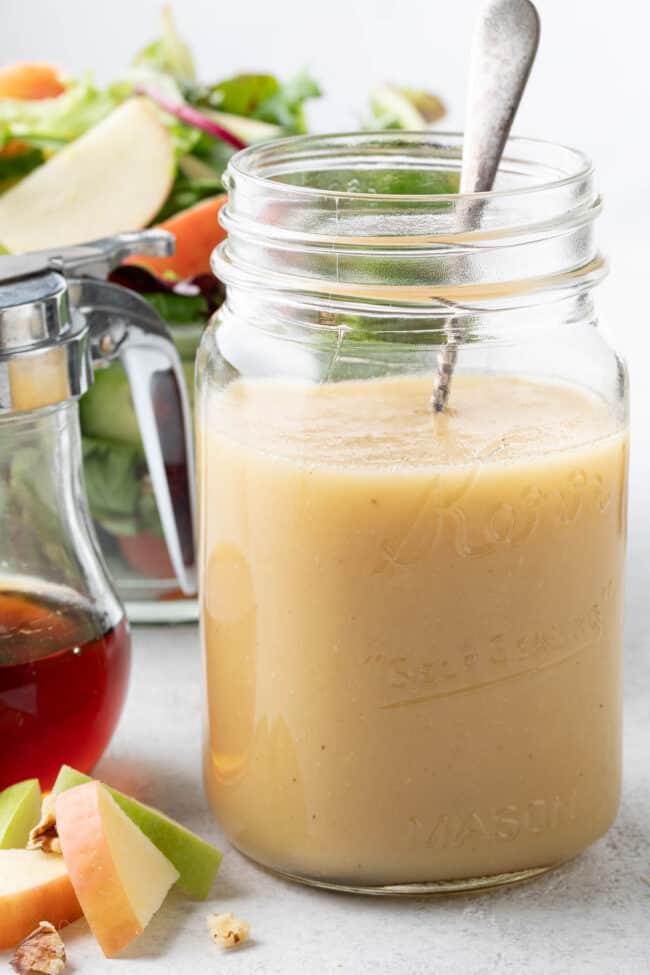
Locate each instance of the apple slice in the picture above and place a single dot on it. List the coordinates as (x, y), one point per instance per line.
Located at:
(20, 810)
(196, 861)
(34, 886)
(114, 177)
(119, 876)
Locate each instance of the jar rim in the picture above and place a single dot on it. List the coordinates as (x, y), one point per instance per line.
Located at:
(321, 215)
(244, 163)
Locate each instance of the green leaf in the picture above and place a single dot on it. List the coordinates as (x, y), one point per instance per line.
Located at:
(170, 54)
(186, 193)
(214, 152)
(185, 137)
(398, 107)
(263, 97)
(243, 94)
(397, 182)
(13, 168)
(286, 106)
(112, 481)
(20, 164)
(55, 121)
(179, 309)
(106, 409)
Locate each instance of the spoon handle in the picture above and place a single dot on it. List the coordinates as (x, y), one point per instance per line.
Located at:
(503, 50)
(504, 47)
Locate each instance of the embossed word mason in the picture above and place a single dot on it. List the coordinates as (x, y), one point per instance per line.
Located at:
(502, 823)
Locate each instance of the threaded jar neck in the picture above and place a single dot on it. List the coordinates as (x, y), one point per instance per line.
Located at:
(374, 218)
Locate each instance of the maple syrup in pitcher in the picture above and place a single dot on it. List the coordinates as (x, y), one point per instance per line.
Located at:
(64, 640)
(63, 678)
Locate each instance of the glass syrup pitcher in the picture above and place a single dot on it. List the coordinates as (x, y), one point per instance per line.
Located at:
(64, 638)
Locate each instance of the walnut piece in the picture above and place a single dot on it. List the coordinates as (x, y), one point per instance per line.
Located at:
(41, 953)
(44, 836)
(227, 930)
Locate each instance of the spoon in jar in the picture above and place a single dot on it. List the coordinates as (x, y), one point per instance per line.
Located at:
(503, 50)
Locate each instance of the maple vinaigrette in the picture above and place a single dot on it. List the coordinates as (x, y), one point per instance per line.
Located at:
(63, 678)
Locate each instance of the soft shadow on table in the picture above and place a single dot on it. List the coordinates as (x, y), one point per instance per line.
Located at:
(165, 927)
(144, 779)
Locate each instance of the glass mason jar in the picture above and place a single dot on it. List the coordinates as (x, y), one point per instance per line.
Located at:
(411, 620)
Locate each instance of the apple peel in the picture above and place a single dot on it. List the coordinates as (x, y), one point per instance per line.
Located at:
(19, 811)
(197, 862)
(33, 885)
(119, 876)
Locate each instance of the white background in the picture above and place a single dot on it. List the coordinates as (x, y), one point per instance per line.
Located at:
(590, 86)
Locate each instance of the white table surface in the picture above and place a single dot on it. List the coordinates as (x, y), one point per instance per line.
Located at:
(591, 917)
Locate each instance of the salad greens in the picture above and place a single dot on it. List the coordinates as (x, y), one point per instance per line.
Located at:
(261, 96)
(169, 54)
(165, 70)
(208, 121)
(399, 107)
(111, 471)
(14, 166)
(50, 123)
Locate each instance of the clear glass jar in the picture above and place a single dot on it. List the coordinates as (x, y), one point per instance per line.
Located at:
(64, 639)
(411, 621)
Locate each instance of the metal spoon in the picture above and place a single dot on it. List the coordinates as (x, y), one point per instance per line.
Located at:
(503, 50)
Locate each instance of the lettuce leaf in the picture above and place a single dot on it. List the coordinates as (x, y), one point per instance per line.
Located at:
(187, 193)
(51, 122)
(14, 167)
(111, 472)
(264, 97)
(178, 302)
(399, 107)
(180, 309)
(170, 54)
(287, 106)
(243, 94)
(166, 67)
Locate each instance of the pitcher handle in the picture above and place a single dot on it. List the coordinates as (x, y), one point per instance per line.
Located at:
(124, 326)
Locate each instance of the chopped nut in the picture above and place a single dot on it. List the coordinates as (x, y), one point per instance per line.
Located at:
(41, 953)
(228, 930)
(44, 836)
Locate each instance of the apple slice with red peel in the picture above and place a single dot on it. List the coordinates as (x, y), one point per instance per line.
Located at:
(119, 876)
(20, 810)
(196, 861)
(114, 177)
(34, 887)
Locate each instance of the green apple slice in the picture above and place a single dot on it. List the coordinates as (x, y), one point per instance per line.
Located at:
(196, 861)
(20, 810)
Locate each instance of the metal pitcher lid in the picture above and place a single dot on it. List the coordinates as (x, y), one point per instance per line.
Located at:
(37, 315)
